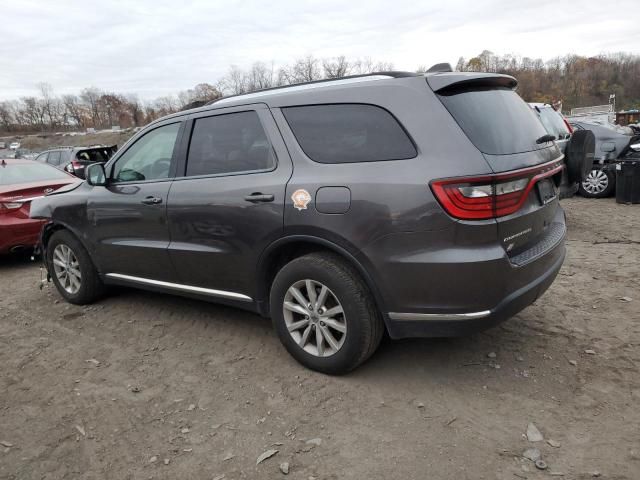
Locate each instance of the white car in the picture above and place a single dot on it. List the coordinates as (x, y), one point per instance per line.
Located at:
(14, 146)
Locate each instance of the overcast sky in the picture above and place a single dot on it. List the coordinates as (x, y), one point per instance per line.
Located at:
(158, 47)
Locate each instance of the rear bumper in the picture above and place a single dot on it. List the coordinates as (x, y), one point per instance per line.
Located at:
(19, 233)
(445, 283)
(404, 325)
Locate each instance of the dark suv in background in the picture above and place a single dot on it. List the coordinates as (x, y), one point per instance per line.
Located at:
(74, 160)
(578, 147)
(339, 208)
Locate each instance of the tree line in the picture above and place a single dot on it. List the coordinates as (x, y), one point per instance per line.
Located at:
(572, 79)
(99, 109)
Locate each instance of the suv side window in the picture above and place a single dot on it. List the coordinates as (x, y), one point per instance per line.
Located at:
(346, 133)
(54, 158)
(229, 143)
(42, 157)
(149, 158)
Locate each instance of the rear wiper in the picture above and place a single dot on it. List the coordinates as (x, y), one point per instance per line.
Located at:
(546, 138)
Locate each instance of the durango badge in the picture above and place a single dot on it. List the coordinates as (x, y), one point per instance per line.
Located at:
(301, 199)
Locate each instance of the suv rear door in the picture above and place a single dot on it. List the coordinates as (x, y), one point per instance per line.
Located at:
(228, 206)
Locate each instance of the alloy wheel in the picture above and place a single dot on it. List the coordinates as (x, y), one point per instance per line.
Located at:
(596, 182)
(67, 268)
(314, 318)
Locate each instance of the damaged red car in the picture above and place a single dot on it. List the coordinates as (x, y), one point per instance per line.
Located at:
(21, 181)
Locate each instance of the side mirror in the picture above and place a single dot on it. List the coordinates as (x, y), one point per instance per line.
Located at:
(96, 175)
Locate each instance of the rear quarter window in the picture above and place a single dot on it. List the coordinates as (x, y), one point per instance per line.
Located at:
(496, 120)
(348, 133)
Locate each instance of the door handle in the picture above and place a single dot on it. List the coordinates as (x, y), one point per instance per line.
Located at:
(150, 200)
(259, 198)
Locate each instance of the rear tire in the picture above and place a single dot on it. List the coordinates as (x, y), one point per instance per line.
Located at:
(600, 183)
(356, 331)
(72, 269)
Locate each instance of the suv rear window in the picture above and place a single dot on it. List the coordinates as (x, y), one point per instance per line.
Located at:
(347, 133)
(496, 120)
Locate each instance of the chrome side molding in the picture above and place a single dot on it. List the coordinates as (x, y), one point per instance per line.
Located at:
(439, 316)
(184, 288)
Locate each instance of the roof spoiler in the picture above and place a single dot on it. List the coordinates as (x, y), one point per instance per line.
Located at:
(451, 82)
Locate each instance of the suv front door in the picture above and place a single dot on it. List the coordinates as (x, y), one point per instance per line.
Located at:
(129, 216)
(229, 204)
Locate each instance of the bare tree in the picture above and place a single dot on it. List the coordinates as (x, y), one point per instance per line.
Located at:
(205, 92)
(90, 96)
(234, 82)
(76, 110)
(135, 109)
(260, 76)
(305, 69)
(6, 116)
(336, 67)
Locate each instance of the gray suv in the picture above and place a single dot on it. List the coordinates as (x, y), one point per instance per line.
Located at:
(341, 209)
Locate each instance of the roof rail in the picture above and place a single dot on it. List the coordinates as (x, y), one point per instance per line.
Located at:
(348, 78)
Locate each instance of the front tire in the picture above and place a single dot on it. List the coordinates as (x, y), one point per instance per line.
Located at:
(600, 183)
(72, 270)
(324, 314)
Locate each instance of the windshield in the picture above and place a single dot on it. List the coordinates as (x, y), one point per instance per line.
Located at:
(11, 174)
(496, 120)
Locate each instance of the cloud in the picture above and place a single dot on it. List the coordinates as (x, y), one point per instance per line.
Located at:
(156, 47)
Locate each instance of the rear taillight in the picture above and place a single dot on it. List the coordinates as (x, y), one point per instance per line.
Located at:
(490, 196)
(6, 207)
(73, 166)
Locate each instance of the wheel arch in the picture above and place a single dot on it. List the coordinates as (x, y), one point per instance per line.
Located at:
(54, 226)
(285, 249)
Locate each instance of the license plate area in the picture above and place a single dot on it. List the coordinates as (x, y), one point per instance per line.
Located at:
(546, 191)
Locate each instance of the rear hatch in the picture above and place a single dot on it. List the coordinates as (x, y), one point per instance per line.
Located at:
(522, 194)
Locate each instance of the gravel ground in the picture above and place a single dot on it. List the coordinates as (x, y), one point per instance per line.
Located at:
(144, 385)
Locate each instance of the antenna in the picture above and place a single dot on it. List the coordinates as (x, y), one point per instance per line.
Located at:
(440, 67)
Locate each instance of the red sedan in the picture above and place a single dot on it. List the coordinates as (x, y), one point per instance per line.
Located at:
(20, 182)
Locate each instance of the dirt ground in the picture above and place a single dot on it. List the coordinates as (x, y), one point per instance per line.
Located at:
(143, 385)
